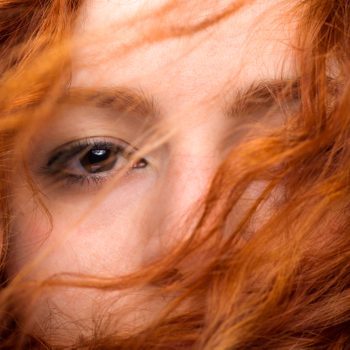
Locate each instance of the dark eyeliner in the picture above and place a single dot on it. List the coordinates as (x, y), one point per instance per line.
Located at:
(70, 150)
(57, 166)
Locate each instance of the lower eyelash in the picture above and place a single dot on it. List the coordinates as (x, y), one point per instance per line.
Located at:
(83, 180)
(57, 176)
(68, 180)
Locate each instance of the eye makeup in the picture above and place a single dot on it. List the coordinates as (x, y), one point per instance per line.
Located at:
(90, 160)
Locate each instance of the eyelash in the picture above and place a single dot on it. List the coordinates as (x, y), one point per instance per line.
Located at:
(58, 163)
(83, 181)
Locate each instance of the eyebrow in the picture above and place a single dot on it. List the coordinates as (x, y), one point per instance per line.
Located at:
(259, 95)
(121, 99)
(263, 95)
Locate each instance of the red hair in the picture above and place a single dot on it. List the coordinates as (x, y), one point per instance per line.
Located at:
(288, 285)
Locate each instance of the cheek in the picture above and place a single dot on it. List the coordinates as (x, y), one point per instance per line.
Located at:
(103, 239)
(66, 315)
(108, 240)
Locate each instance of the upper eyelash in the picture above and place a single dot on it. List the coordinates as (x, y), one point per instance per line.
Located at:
(73, 148)
(79, 145)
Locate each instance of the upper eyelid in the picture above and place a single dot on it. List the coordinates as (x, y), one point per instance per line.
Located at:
(55, 155)
(86, 141)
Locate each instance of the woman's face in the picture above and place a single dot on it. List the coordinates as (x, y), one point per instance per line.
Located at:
(190, 88)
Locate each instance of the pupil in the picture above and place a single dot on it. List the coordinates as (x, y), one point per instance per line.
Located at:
(98, 155)
(98, 160)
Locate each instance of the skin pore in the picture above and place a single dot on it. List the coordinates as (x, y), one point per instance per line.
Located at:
(188, 87)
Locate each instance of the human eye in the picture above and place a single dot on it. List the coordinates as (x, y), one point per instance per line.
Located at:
(91, 160)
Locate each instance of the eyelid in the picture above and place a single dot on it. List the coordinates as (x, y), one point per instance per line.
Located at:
(62, 163)
(61, 167)
(81, 144)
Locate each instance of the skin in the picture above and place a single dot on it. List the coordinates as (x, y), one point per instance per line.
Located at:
(191, 80)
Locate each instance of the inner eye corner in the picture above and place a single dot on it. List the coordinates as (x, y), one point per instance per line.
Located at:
(140, 163)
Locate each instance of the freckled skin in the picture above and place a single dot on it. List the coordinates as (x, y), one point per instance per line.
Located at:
(188, 78)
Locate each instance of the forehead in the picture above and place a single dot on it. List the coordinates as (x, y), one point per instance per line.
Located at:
(125, 43)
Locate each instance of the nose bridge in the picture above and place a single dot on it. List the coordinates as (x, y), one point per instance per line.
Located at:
(181, 192)
(192, 162)
(175, 206)
(176, 202)
(187, 180)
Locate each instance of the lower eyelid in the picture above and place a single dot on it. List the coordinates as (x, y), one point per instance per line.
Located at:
(54, 175)
(84, 180)
(88, 181)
